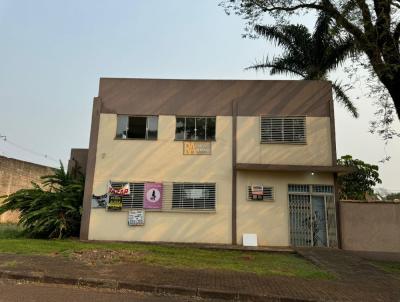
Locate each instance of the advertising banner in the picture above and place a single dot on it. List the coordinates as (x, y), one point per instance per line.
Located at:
(152, 195)
(99, 201)
(121, 190)
(257, 192)
(114, 203)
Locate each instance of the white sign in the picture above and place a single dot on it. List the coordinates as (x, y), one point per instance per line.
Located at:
(136, 217)
(249, 239)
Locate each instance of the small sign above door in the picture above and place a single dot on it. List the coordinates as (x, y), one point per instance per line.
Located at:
(197, 148)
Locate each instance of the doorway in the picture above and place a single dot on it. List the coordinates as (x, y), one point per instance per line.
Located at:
(312, 216)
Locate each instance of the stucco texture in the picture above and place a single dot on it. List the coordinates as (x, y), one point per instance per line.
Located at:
(370, 226)
(317, 151)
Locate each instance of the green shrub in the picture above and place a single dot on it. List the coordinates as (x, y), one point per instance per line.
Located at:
(52, 209)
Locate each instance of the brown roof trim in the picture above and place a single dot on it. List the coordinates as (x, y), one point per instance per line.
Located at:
(292, 168)
(214, 97)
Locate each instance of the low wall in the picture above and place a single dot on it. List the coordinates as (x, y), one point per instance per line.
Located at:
(371, 228)
(15, 175)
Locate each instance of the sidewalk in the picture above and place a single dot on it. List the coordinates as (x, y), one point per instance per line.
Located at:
(356, 279)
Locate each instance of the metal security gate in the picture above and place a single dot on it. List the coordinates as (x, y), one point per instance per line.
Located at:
(312, 215)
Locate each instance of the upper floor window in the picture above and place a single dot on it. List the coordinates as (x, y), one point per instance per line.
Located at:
(195, 128)
(137, 127)
(283, 130)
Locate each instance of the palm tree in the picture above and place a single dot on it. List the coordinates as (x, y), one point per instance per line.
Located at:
(309, 55)
(52, 209)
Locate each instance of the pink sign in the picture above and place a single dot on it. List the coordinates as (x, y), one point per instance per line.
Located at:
(152, 195)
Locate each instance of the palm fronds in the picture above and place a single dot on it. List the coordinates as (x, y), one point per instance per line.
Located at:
(52, 209)
(309, 55)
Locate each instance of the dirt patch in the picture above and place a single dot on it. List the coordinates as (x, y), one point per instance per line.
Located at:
(97, 257)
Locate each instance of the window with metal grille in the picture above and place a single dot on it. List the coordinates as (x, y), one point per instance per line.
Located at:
(193, 196)
(283, 130)
(322, 189)
(135, 199)
(298, 188)
(268, 193)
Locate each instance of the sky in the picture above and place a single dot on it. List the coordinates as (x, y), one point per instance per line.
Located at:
(54, 52)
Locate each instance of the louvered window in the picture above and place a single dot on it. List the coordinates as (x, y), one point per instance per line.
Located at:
(135, 199)
(193, 196)
(268, 193)
(283, 130)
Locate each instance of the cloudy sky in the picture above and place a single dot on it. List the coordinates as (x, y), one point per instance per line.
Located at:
(54, 52)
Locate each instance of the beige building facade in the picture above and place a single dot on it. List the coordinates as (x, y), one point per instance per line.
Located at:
(218, 159)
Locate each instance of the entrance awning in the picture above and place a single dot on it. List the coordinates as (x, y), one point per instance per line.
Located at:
(293, 168)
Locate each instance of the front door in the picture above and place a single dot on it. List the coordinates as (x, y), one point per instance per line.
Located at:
(318, 221)
(312, 215)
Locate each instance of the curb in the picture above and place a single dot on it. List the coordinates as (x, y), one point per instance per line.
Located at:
(157, 289)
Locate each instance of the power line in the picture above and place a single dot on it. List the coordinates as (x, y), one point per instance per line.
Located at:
(33, 152)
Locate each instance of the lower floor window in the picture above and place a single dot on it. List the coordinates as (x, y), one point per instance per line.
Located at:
(196, 196)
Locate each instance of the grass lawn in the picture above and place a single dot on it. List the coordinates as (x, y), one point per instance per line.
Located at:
(388, 266)
(283, 264)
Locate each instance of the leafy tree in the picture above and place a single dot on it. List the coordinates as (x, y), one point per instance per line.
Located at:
(52, 210)
(359, 183)
(392, 196)
(374, 26)
(309, 55)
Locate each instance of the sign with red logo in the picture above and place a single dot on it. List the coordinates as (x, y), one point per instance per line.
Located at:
(119, 190)
(152, 195)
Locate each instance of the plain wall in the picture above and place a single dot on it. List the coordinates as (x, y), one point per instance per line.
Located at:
(78, 159)
(317, 151)
(370, 226)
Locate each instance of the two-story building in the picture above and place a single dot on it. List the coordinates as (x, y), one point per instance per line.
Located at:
(206, 161)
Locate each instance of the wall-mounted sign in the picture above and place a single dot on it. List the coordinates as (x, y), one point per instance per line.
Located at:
(121, 190)
(152, 195)
(99, 201)
(197, 148)
(257, 192)
(114, 203)
(136, 217)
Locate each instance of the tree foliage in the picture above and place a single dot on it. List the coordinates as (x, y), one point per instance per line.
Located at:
(374, 27)
(356, 185)
(392, 196)
(52, 209)
(309, 55)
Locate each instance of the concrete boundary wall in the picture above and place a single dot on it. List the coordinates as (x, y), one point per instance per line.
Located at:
(371, 228)
(15, 175)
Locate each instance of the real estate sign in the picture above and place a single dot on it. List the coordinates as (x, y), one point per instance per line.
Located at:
(136, 217)
(114, 203)
(197, 148)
